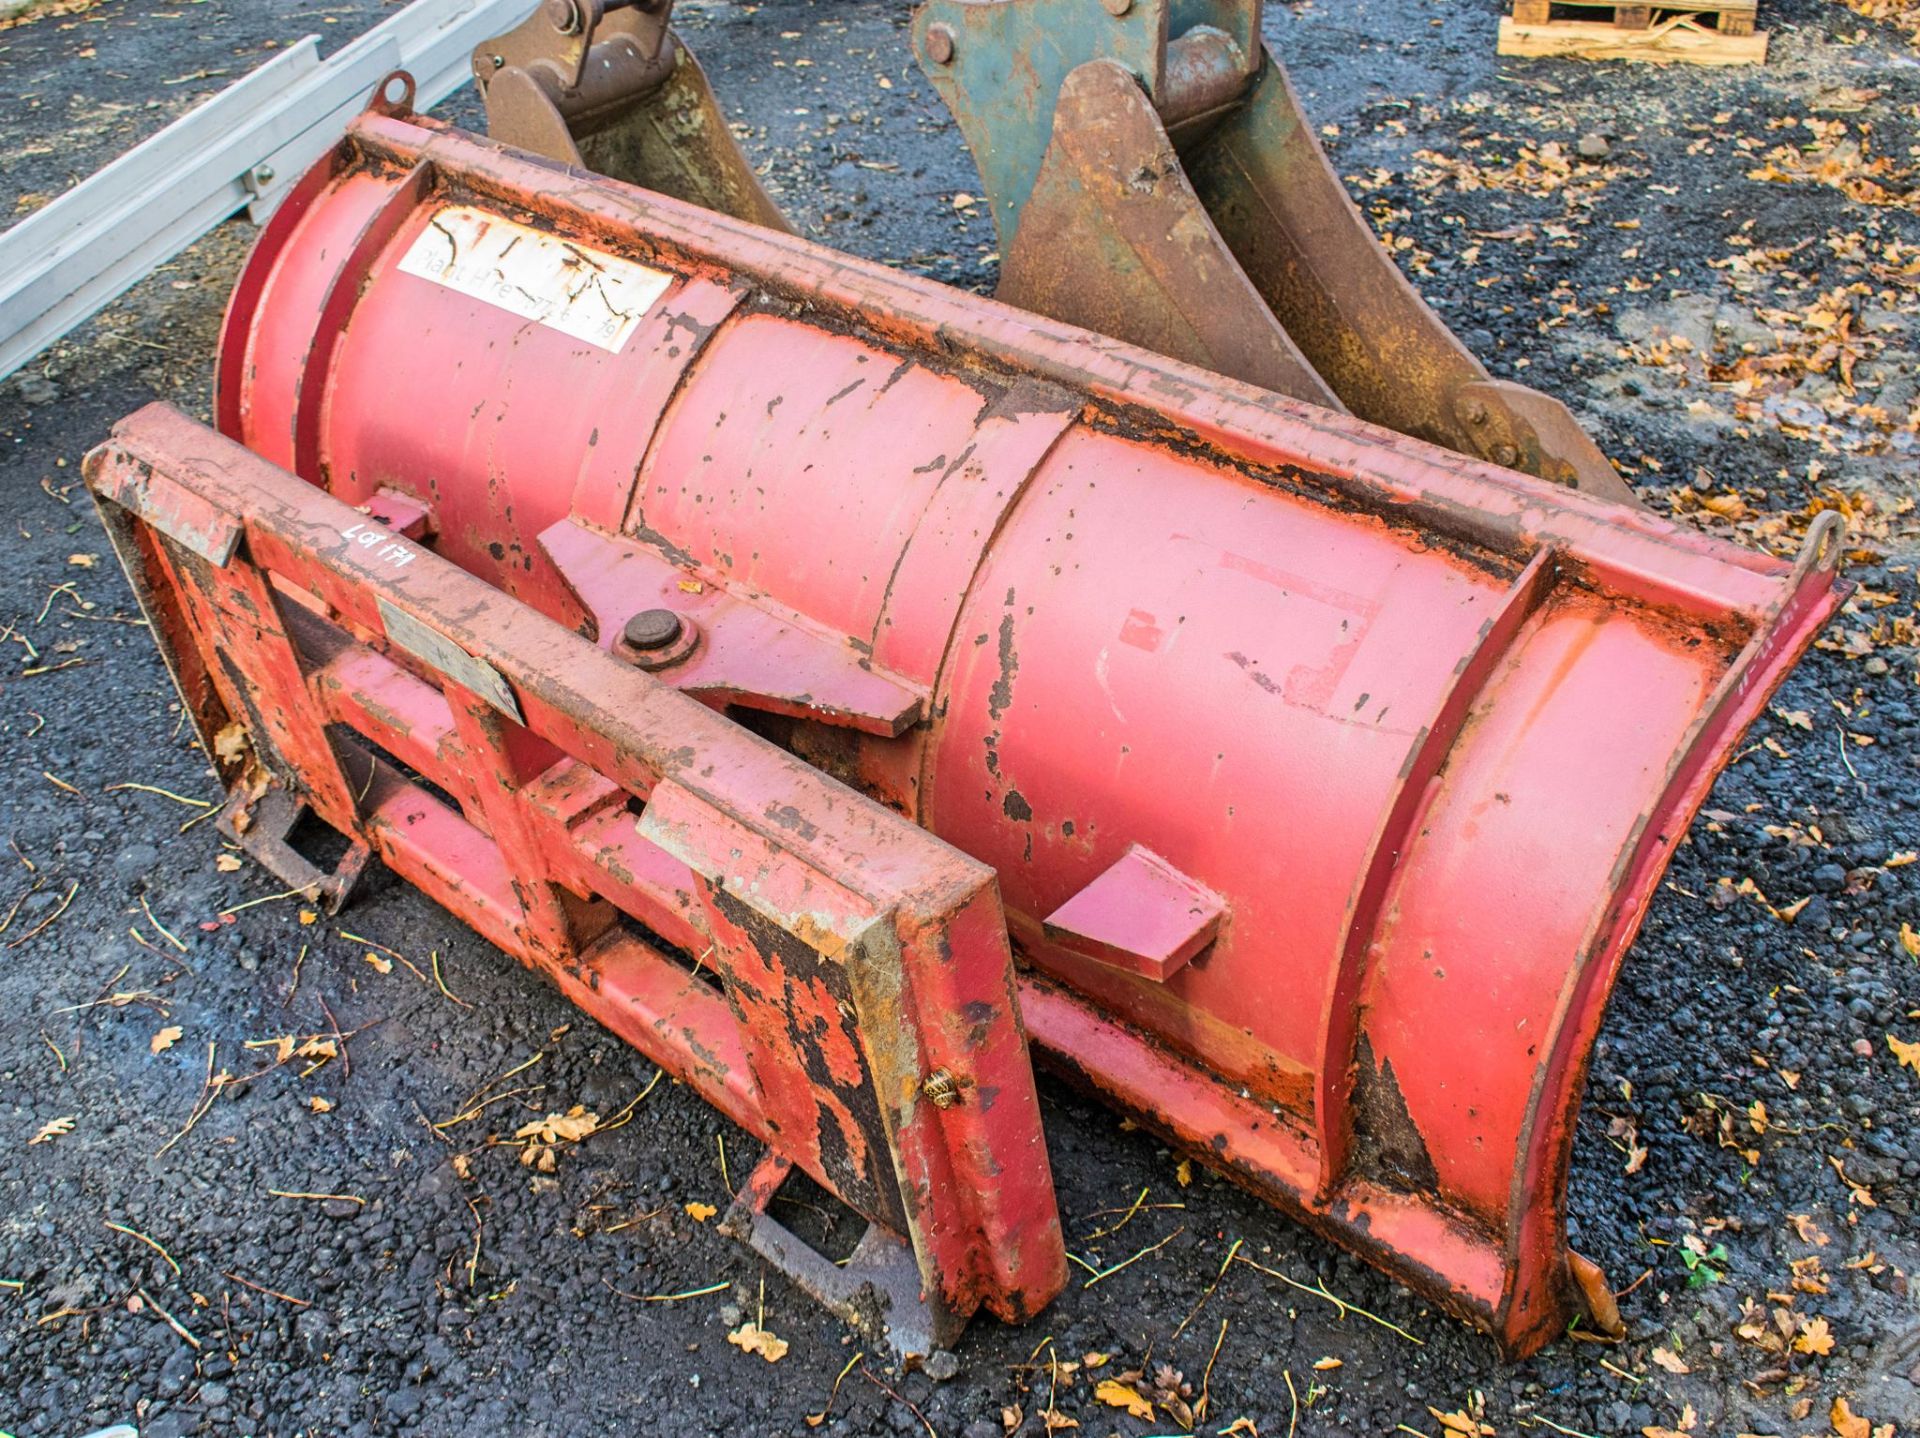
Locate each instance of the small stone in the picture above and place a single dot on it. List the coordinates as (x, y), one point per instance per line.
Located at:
(1593, 147)
(940, 1365)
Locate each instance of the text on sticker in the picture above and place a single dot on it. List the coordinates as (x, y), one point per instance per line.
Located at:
(582, 292)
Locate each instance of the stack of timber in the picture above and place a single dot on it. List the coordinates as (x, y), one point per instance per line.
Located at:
(1706, 32)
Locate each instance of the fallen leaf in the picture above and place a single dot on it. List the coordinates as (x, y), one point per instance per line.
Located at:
(227, 864)
(752, 1338)
(1846, 1422)
(83, 561)
(1809, 1231)
(165, 1039)
(230, 744)
(1183, 1172)
(569, 1127)
(1814, 1337)
(1907, 1053)
(1116, 1394)
(1910, 940)
(1240, 1425)
(1666, 1358)
(308, 918)
(380, 965)
(701, 1212)
(1056, 1421)
(1459, 1422)
(53, 1128)
(320, 1105)
(1325, 1365)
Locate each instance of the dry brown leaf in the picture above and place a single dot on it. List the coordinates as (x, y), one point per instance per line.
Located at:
(1115, 1394)
(227, 864)
(1809, 1231)
(1239, 1426)
(752, 1338)
(1056, 1421)
(1814, 1337)
(1183, 1172)
(165, 1039)
(1458, 1423)
(700, 1212)
(1666, 1358)
(1846, 1422)
(54, 1128)
(230, 744)
(569, 1127)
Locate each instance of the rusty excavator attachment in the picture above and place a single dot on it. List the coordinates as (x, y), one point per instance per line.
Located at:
(1152, 175)
(608, 86)
(847, 688)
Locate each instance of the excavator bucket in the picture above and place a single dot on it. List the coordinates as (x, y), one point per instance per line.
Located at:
(1154, 178)
(842, 686)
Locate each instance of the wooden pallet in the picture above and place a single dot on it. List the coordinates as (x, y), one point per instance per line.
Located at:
(1705, 32)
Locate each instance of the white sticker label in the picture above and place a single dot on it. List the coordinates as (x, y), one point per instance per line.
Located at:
(585, 293)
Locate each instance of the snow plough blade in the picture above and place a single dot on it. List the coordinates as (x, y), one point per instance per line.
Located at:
(642, 583)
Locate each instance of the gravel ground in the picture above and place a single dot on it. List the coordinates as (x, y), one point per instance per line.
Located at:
(1746, 1158)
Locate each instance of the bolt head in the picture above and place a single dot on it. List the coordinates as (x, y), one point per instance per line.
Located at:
(564, 16)
(1506, 454)
(1117, 8)
(940, 44)
(1476, 412)
(652, 629)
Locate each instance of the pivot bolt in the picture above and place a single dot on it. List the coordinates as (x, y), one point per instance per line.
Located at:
(564, 16)
(1477, 412)
(652, 629)
(1506, 454)
(940, 44)
(1117, 8)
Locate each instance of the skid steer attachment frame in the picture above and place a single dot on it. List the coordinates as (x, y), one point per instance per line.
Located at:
(831, 977)
(1154, 177)
(1317, 778)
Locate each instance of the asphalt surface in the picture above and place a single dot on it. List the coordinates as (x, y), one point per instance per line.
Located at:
(445, 1288)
